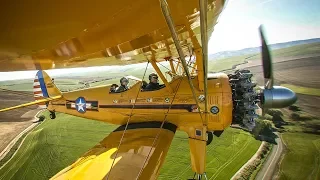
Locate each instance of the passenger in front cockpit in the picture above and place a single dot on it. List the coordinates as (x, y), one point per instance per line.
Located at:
(123, 85)
(113, 88)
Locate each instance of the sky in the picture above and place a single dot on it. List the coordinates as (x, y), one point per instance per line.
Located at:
(283, 21)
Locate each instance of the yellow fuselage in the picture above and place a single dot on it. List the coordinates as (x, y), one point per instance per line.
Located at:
(178, 107)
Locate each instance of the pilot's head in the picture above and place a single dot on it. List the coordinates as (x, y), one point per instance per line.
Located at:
(153, 77)
(114, 86)
(124, 81)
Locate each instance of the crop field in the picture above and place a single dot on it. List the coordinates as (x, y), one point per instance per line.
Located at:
(279, 55)
(15, 121)
(300, 132)
(57, 143)
(302, 160)
(303, 90)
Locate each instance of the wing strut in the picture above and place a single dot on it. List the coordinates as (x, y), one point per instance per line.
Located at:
(170, 23)
(197, 145)
(204, 44)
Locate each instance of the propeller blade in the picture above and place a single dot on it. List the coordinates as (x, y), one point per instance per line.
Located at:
(266, 61)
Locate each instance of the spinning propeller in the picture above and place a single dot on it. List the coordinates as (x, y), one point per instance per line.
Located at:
(272, 96)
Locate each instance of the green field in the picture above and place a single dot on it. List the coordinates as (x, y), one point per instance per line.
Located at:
(227, 63)
(298, 50)
(303, 90)
(302, 160)
(300, 133)
(57, 143)
(17, 85)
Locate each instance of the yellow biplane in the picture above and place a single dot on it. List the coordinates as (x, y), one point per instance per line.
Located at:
(41, 35)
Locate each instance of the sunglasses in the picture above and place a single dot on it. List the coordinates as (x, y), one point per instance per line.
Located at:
(155, 77)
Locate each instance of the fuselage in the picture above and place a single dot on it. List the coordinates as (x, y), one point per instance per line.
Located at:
(134, 105)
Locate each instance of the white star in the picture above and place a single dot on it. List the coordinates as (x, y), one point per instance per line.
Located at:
(80, 106)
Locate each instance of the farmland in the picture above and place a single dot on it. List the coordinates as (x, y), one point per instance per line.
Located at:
(57, 143)
(302, 160)
(15, 121)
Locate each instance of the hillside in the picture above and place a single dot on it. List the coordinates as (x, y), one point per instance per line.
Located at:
(246, 51)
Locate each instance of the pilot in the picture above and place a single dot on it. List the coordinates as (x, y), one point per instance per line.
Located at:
(154, 83)
(144, 84)
(113, 88)
(123, 85)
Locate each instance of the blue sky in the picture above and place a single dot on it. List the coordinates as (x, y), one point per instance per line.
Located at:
(283, 20)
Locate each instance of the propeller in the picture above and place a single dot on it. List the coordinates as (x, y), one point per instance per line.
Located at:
(272, 96)
(266, 61)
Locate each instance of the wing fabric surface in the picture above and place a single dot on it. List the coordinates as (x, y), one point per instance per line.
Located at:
(113, 33)
(140, 155)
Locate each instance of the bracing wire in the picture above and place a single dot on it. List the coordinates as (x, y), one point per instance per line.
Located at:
(187, 64)
(164, 66)
(158, 133)
(125, 129)
(161, 127)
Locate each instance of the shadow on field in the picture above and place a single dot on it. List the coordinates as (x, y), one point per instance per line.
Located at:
(270, 137)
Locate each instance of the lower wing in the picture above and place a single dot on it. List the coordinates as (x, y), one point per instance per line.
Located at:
(135, 152)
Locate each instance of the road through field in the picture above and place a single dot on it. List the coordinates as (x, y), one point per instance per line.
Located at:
(270, 164)
(14, 141)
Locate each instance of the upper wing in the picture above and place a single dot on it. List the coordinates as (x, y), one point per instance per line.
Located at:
(143, 148)
(80, 33)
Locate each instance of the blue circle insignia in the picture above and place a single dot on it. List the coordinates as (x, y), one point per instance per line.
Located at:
(214, 110)
(81, 105)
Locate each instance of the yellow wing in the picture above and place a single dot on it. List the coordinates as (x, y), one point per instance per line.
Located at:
(79, 33)
(141, 153)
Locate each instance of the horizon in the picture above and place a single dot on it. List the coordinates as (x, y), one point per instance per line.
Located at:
(57, 72)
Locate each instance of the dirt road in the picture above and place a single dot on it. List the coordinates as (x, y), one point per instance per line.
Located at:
(270, 164)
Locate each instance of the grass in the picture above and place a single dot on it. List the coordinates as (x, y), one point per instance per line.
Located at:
(57, 143)
(303, 90)
(225, 155)
(227, 63)
(19, 87)
(300, 133)
(12, 150)
(298, 50)
(302, 160)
